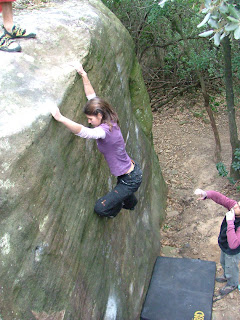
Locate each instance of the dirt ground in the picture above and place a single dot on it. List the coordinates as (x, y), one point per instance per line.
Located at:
(185, 147)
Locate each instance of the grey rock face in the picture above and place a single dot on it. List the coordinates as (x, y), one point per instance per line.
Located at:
(59, 260)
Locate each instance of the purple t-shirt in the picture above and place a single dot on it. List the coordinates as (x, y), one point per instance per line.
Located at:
(113, 149)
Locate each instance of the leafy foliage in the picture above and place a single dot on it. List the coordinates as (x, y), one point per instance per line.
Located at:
(174, 58)
(224, 19)
(160, 48)
(221, 168)
(222, 171)
(236, 163)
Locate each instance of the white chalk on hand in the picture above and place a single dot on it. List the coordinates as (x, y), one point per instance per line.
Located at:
(198, 191)
(76, 65)
(51, 107)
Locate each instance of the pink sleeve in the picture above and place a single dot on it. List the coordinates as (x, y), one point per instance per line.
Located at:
(233, 237)
(221, 199)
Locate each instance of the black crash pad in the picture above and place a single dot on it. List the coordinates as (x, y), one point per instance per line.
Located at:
(180, 289)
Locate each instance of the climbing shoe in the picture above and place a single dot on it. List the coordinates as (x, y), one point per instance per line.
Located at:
(8, 45)
(221, 279)
(125, 207)
(226, 290)
(17, 32)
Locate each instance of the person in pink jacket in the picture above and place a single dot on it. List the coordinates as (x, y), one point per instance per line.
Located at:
(228, 239)
(11, 31)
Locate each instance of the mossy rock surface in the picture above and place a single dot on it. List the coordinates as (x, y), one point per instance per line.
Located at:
(58, 259)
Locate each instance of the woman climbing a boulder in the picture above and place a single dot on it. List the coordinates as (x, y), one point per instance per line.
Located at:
(111, 144)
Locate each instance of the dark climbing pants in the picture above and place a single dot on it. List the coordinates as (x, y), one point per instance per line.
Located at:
(122, 196)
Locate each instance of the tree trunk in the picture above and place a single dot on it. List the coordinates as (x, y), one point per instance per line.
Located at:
(218, 149)
(217, 153)
(235, 143)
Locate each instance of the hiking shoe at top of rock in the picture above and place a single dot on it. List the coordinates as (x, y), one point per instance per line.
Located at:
(8, 45)
(17, 32)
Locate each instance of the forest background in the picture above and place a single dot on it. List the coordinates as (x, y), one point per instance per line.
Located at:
(178, 57)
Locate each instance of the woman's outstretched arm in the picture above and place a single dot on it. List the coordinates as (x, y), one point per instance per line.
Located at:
(89, 91)
(216, 197)
(71, 125)
(77, 128)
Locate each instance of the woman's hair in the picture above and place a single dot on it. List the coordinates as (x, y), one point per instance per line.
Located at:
(98, 105)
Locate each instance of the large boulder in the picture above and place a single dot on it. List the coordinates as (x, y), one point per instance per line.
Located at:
(58, 259)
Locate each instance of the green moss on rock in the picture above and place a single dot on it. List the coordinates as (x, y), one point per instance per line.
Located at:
(140, 99)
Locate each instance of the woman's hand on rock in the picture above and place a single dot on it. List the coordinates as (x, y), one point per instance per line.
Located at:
(79, 67)
(55, 113)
